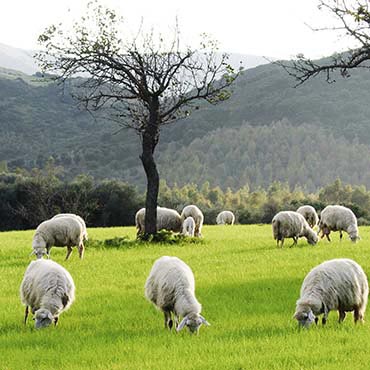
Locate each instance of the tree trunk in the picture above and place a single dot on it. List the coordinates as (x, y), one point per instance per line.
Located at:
(149, 141)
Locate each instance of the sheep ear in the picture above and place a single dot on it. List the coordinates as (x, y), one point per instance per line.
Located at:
(32, 253)
(182, 324)
(204, 321)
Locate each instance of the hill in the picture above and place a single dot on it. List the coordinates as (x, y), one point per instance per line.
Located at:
(17, 59)
(267, 131)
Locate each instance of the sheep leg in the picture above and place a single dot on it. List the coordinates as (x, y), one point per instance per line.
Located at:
(295, 239)
(69, 251)
(326, 313)
(177, 321)
(358, 315)
(168, 323)
(26, 315)
(81, 249)
(327, 236)
(342, 315)
(56, 319)
(340, 235)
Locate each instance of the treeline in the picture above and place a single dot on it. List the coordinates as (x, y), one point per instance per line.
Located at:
(305, 155)
(28, 198)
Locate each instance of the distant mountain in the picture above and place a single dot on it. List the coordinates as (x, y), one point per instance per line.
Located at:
(22, 60)
(17, 59)
(267, 131)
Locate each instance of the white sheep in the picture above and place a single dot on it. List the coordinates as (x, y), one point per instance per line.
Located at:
(197, 215)
(170, 287)
(48, 289)
(188, 227)
(168, 219)
(79, 218)
(338, 218)
(310, 214)
(290, 224)
(59, 232)
(338, 284)
(225, 218)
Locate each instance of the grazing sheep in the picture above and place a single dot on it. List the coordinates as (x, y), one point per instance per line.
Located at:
(48, 289)
(338, 284)
(290, 224)
(225, 218)
(170, 286)
(197, 215)
(338, 218)
(188, 227)
(309, 213)
(168, 219)
(79, 218)
(59, 232)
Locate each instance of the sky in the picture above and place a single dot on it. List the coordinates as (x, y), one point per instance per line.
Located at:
(270, 28)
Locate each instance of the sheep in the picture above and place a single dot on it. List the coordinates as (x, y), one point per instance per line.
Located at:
(59, 232)
(197, 215)
(290, 224)
(170, 287)
(309, 213)
(168, 219)
(338, 218)
(338, 284)
(188, 227)
(79, 218)
(48, 289)
(225, 218)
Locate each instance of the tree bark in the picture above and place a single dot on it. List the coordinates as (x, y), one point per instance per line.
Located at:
(149, 142)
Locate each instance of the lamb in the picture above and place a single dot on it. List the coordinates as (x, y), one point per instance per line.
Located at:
(188, 227)
(59, 232)
(225, 218)
(79, 218)
(338, 284)
(168, 219)
(197, 215)
(48, 289)
(338, 218)
(309, 213)
(170, 287)
(290, 224)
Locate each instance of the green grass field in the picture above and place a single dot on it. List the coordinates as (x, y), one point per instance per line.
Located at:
(247, 287)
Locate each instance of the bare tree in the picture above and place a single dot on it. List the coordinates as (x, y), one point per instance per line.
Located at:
(145, 83)
(353, 21)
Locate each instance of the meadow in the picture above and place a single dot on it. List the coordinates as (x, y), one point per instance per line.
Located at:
(247, 286)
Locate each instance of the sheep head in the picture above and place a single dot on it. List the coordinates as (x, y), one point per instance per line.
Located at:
(193, 321)
(43, 318)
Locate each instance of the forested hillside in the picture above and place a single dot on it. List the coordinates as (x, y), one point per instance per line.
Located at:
(267, 131)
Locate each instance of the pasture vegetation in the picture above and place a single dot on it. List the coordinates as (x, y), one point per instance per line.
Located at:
(248, 289)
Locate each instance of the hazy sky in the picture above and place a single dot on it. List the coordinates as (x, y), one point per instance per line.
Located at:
(273, 28)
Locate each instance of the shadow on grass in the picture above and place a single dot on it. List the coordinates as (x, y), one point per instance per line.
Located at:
(162, 237)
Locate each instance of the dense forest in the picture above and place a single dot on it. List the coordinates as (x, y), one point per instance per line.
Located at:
(268, 131)
(28, 198)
